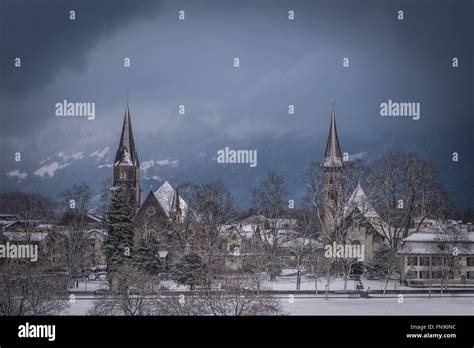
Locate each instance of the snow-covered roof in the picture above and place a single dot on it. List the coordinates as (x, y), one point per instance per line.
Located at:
(7, 223)
(425, 242)
(25, 236)
(285, 223)
(299, 242)
(435, 237)
(359, 200)
(44, 226)
(95, 218)
(243, 232)
(8, 216)
(252, 220)
(166, 196)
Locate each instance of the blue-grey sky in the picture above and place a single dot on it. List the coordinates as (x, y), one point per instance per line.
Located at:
(282, 62)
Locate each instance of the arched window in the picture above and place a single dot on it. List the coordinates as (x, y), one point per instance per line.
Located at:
(123, 174)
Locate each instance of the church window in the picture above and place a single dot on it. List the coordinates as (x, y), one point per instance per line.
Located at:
(150, 211)
(123, 174)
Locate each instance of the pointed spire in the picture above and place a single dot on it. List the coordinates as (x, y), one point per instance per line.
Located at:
(127, 97)
(332, 156)
(126, 152)
(177, 208)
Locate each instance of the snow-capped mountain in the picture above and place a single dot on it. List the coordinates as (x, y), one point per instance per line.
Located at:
(164, 159)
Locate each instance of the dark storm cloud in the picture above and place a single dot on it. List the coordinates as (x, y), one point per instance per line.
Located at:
(282, 62)
(42, 35)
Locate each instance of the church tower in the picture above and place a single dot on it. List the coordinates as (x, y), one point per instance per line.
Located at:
(126, 164)
(176, 208)
(333, 166)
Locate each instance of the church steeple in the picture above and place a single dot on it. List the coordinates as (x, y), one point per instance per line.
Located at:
(126, 164)
(332, 156)
(126, 152)
(333, 167)
(177, 207)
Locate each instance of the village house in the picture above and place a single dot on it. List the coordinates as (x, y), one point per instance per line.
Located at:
(438, 250)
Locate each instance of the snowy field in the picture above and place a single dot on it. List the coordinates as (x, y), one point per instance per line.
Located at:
(379, 306)
(286, 282)
(461, 304)
(306, 305)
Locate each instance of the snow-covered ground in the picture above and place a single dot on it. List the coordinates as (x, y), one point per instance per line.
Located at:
(286, 282)
(312, 305)
(379, 306)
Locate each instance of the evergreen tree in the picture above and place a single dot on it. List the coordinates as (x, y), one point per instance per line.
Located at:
(190, 270)
(119, 242)
(385, 263)
(146, 257)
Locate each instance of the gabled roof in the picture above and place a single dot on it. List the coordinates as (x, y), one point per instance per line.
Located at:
(166, 196)
(126, 152)
(333, 155)
(359, 200)
(252, 219)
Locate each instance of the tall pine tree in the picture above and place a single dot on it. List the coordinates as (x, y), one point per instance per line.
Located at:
(146, 256)
(119, 242)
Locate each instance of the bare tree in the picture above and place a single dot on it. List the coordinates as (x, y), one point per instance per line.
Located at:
(255, 261)
(29, 207)
(449, 244)
(268, 201)
(105, 199)
(323, 269)
(239, 298)
(404, 186)
(134, 295)
(75, 204)
(27, 289)
(302, 245)
(212, 206)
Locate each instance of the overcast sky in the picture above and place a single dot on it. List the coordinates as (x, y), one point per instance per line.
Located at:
(282, 62)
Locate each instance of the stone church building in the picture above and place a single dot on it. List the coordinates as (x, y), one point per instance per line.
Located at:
(352, 220)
